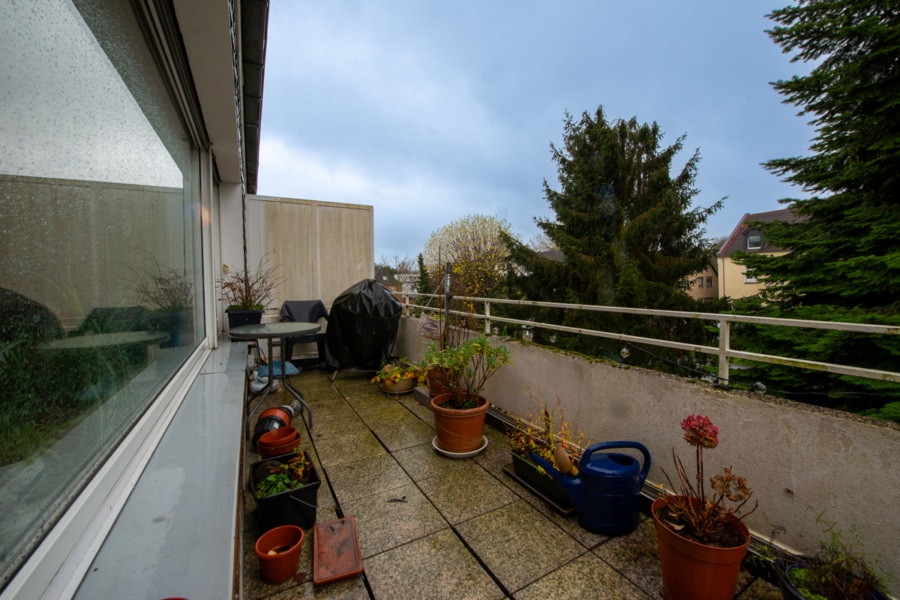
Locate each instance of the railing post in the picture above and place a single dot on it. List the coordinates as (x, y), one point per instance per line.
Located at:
(724, 346)
(487, 318)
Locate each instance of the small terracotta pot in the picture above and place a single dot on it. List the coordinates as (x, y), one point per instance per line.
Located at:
(458, 430)
(287, 541)
(273, 451)
(277, 437)
(693, 571)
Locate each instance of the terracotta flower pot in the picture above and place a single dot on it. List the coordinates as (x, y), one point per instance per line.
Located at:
(278, 437)
(458, 430)
(437, 382)
(693, 571)
(286, 542)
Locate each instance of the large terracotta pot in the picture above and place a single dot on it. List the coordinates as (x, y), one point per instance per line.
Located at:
(458, 430)
(437, 382)
(285, 543)
(693, 571)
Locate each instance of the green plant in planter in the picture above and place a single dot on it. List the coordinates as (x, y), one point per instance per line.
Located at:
(838, 571)
(285, 476)
(246, 290)
(542, 431)
(469, 365)
(398, 370)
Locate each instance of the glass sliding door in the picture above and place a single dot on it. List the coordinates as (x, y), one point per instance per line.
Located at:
(101, 296)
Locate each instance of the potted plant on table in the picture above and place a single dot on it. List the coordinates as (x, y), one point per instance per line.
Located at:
(459, 414)
(702, 536)
(838, 571)
(399, 376)
(546, 433)
(246, 294)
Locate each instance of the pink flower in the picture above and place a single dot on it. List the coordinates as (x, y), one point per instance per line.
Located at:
(699, 431)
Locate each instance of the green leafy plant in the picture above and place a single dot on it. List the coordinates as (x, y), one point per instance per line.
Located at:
(542, 431)
(838, 571)
(285, 476)
(468, 365)
(695, 514)
(246, 290)
(396, 371)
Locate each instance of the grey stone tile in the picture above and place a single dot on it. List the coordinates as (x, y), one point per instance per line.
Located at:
(384, 412)
(404, 433)
(340, 449)
(568, 523)
(361, 478)
(761, 589)
(465, 493)
(422, 462)
(585, 577)
(438, 567)
(636, 557)
(517, 545)
(392, 518)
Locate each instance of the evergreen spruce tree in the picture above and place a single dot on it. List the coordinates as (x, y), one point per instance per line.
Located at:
(844, 259)
(626, 225)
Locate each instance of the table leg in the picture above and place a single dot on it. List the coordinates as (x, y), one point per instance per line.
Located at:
(287, 385)
(270, 385)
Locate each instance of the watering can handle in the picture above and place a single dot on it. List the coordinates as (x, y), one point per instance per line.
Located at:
(626, 444)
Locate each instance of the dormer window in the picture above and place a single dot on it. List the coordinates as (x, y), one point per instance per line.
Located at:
(754, 242)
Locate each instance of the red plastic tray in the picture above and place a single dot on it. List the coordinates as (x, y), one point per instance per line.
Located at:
(336, 552)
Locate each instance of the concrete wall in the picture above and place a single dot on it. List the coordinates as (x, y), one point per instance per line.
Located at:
(321, 248)
(799, 460)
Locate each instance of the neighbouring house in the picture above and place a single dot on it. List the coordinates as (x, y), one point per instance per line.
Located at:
(735, 281)
(705, 284)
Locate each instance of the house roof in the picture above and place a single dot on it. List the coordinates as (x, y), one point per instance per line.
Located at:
(738, 239)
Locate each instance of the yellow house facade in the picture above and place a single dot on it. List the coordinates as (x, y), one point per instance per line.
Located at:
(734, 280)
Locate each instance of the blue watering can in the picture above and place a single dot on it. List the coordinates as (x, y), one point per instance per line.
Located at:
(606, 490)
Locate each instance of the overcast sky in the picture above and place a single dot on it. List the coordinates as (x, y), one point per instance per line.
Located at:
(431, 111)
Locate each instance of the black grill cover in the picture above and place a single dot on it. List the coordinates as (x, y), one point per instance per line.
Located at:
(362, 327)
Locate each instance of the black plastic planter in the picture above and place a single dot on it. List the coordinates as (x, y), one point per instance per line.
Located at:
(293, 507)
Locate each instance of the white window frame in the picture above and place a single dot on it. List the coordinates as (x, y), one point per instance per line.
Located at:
(758, 238)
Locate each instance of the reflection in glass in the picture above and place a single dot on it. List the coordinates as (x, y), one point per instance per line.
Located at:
(100, 290)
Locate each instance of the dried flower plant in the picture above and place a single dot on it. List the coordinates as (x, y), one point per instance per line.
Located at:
(542, 431)
(692, 512)
(163, 289)
(243, 290)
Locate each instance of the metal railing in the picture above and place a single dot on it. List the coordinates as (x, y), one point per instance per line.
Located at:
(724, 352)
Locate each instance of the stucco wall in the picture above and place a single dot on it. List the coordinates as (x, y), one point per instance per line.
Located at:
(799, 460)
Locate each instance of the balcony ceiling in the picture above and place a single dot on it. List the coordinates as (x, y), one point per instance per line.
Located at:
(206, 30)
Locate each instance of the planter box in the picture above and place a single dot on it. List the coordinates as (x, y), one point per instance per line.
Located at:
(293, 507)
(526, 473)
(238, 318)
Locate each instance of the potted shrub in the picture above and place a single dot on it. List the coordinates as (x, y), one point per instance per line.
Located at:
(286, 489)
(169, 295)
(459, 413)
(546, 433)
(838, 571)
(399, 376)
(702, 536)
(246, 294)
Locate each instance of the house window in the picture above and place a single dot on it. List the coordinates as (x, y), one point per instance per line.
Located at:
(699, 282)
(709, 282)
(100, 203)
(754, 242)
(749, 276)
